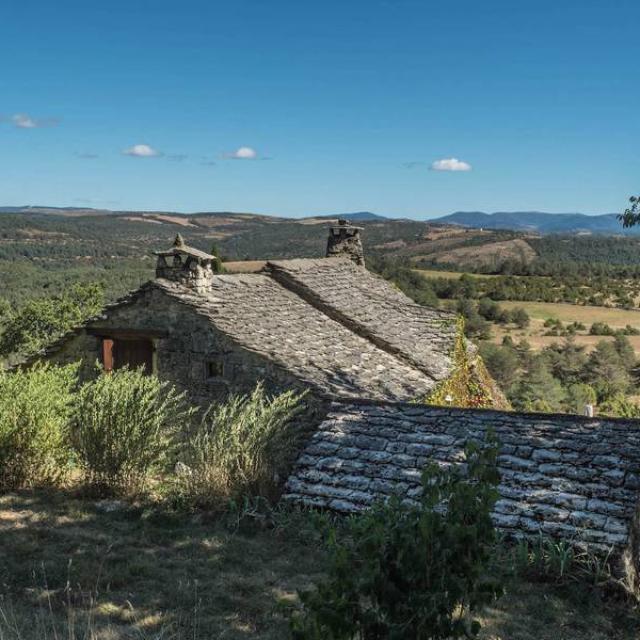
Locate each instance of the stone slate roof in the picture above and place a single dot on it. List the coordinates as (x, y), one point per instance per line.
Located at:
(421, 336)
(329, 323)
(264, 317)
(565, 476)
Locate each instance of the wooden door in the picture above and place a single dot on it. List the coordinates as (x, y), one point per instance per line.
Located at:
(127, 352)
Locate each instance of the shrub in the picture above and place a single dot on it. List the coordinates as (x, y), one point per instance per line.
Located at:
(601, 329)
(124, 427)
(411, 572)
(35, 406)
(240, 447)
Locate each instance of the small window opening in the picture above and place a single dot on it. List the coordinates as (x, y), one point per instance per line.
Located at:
(215, 369)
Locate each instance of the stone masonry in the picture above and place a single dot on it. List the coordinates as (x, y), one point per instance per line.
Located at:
(562, 476)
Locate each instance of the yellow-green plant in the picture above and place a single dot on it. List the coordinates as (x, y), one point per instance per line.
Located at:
(240, 447)
(125, 426)
(469, 383)
(35, 405)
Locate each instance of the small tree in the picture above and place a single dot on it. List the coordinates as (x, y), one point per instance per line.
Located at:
(411, 572)
(631, 215)
(124, 427)
(41, 320)
(216, 265)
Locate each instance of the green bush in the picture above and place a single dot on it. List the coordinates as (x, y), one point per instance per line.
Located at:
(125, 426)
(411, 572)
(35, 405)
(240, 447)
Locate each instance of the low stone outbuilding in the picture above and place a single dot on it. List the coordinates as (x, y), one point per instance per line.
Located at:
(327, 325)
(562, 476)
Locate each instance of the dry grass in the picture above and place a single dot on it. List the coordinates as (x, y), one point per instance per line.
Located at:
(451, 275)
(567, 313)
(135, 572)
(579, 313)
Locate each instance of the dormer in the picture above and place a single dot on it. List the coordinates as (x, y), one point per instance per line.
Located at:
(186, 265)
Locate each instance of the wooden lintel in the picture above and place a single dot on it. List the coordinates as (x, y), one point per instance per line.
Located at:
(120, 332)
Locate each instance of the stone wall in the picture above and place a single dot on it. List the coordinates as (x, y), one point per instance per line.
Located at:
(563, 476)
(189, 341)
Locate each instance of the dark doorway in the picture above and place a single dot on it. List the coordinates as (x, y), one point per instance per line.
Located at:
(127, 352)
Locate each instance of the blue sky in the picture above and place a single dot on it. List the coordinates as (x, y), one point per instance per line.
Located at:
(332, 106)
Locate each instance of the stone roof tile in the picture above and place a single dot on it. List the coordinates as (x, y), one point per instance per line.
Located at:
(264, 317)
(373, 308)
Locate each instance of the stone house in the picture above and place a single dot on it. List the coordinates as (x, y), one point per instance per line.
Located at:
(327, 325)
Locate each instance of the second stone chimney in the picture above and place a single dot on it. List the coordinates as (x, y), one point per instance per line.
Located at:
(186, 265)
(344, 241)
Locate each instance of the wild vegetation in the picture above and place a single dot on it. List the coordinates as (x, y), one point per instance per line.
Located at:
(240, 448)
(189, 547)
(416, 572)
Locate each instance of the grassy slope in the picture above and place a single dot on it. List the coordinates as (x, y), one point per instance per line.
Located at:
(147, 575)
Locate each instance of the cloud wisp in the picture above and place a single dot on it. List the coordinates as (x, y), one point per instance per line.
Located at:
(142, 151)
(242, 153)
(450, 164)
(25, 121)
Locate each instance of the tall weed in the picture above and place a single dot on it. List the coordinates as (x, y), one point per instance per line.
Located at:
(124, 428)
(240, 447)
(35, 405)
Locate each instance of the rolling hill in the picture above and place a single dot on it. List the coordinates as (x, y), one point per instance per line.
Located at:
(539, 222)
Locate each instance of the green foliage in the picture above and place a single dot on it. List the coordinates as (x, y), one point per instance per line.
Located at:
(411, 572)
(601, 329)
(469, 384)
(559, 561)
(503, 362)
(35, 405)
(619, 406)
(562, 377)
(579, 395)
(41, 320)
(631, 215)
(216, 265)
(240, 448)
(124, 428)
(538, 390)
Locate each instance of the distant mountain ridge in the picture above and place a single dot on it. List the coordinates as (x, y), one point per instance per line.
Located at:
(354, 216)
(539, 222)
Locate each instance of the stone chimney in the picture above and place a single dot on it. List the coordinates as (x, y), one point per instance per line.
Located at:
(344, 240)
(186, 265)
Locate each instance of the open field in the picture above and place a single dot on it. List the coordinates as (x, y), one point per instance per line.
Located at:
(578, 313)
(567, 313)
(537, 341)
(450, 275)
(138, 572)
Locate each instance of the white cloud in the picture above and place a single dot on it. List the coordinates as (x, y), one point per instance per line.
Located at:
(142, 151)
(24, 121)
(450, 164)
(243, 153)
